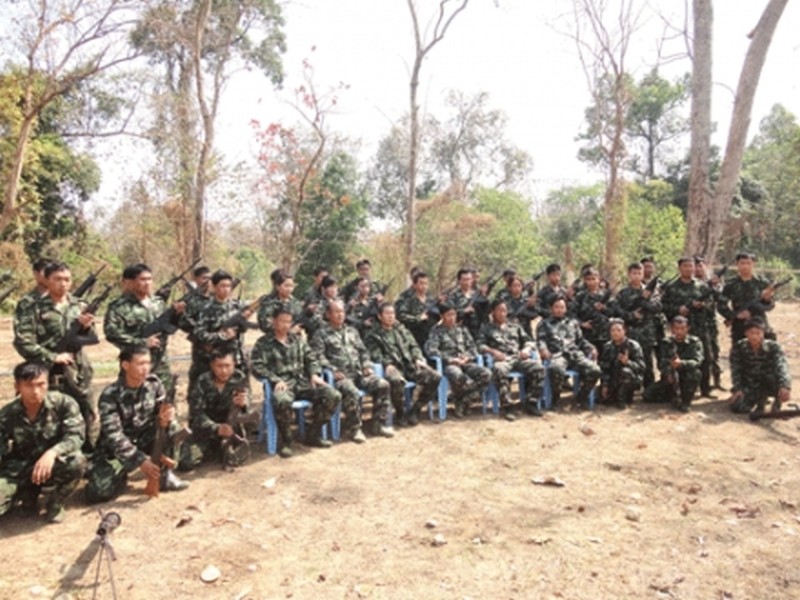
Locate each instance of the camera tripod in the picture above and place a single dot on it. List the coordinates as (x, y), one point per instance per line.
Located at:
(110, 521)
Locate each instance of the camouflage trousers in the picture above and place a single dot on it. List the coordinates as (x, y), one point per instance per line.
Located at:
(376, 387)
(324, 398)
(427, 381)
(15, 479)
(532, 371)
(588, 371)
(622, 387)
(647, 341)
(663, 391)
(755, 394)
(467, 380)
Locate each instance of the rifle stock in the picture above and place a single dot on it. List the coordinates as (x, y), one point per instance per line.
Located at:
(165, 290)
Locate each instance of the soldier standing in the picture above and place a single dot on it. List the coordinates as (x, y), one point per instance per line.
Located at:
(414, 308)
(285, 359)
(132, 410)
(622, 366)
(746, 296)
(759, 370)
(593, 309)
(45, 431)
(711, 279)
(549, 292)
(339, 348)
(280, 297)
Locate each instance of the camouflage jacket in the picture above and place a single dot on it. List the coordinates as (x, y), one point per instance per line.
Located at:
(38, 331)
(738, 295)
(478, 303)
(395, 346)
(562, 336)
(677, 293)
(128, 419)
(609, 359)
(271, 302)
(545, 299)
(351, 289)
(690, 351)
(195, 304)
(585, 309)
(630, 301)
(413, 313)
(450, 342)
(126, 319)
(750, 368)
(341, 350)
(361, 315)
(209, 406)
(510, 339)
(207, 334)
(293, 362)
(58, 426)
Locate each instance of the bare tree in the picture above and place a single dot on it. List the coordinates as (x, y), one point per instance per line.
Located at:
(422, 46)
(63, 45)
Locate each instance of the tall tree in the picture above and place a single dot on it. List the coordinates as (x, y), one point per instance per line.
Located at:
(422, 46)
(57, 46)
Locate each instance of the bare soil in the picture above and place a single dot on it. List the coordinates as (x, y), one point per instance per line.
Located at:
(655, 504)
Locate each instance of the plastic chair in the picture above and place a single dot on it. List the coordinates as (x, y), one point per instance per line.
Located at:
(409, 395)
(493, 394)
(547, 392)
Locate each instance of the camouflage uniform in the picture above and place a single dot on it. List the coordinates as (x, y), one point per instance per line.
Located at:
(519, 311)
(398, 352)
(342, 350)
(511, 339)
(713, 334)
(208, 408)
(208, 337)
(690, 351)
(350, 290)
(545, 299)
(128, 422)
(124, 325)
(58, 426)
(38, 329)
(361, 315)
(739, 295)
(195, 304)
(758, 374)
(413, 314)
(641, 317)
(473, 300)
(272, 301)
(621, 380)
(568, 350)
(468, 382)
(292, 363)
(585, 310)
(677, 294)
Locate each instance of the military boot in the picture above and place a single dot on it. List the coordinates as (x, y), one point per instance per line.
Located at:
(316, 438)
(413, 413)
(717, 376)
(29, 500)
(285, 440)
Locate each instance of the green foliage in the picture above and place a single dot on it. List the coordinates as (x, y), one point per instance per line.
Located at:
(569, 211)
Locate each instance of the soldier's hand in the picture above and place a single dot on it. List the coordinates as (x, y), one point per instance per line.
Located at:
(424, 317)
(338, 375)
(676, 362)
(240, 398)
(224, 430)
(684, 311)
(166, 413)
(524, 354)
(736, 396)
(638, 314)
(421, 364)
(64, 358)
(743, 315)
(768, 294)
(593, 353)
(247, 313)
(604, 393)
(317, 381)
(153, 341)
(86, 320)
(228, 333)
(281, 386)
(43, 468)
(150, 469)
(586, 325)
(599, 306)
(784, 394)
(179, 307)
(368, 372)
(545, 354)
(469, 310)
(623, 358)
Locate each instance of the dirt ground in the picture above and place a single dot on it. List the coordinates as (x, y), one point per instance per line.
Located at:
(655, 504)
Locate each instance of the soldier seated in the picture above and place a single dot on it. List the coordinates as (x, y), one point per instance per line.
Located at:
(45, 430)
(759, 370)
(622, 366)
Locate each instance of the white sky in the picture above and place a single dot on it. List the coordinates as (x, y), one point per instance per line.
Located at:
(514, 51)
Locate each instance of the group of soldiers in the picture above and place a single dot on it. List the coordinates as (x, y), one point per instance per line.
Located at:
(335, 346)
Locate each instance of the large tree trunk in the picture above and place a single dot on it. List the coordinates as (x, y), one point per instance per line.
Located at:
(699, 209)
(413, 152)
(15, 173)
(761, 37)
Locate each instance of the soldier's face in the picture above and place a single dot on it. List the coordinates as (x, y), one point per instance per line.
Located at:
(591, 282)
(617, 332)
(558, 309)
(516, 287)
(143, 284)
(649, 269)
(465, 281)
(363, 270)
(686, 269)
(421, 286)
(58, 284)
(745, 266)
(336, 314)
(387, 317)
(700, 270)
(223, 289)
(680, 331)
(755, 336)
(282, 323)
(554, 278)
(449, 318)
(32, 392)
(286, 288)
(500, 314)
(223, 368)
(635, 276)
(331, 291)
(364, 288)
(201, 281)
(136, 369)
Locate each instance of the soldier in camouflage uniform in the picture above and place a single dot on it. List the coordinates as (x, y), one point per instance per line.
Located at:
(313, 321)
(221, 393)
(414, 308)
(280, 297)
(592, 309)
(127, 317)
(464, 299)
(520, 305)
(712, 280)
(363, 269)
(744, 297)
(681, 357)
(640, 309)
(456, 347)
(649, 273)
(394, 347)
(561, 343)
(195, 300)
(512, 350)
(549, 292)
(131, 410)
(622, 366)
(41, 433)
(313, 295)
(340, 349)
(28, 302)
(285, 360)
(759, 370)
(690, 298)
(360, 311)
(39, 329)
(209, 335)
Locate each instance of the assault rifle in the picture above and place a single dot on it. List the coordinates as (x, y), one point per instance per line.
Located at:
(530, 285)
(650, 288)
(87, 284)
(6, 293)
(676, 378)
(236, 448)
(776, 414)
(74, 339)
(238, 321)
(165, 290)
(776, 285)
(157, 455)
(167, 320)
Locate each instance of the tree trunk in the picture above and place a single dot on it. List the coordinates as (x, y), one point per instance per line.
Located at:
(699, 209)
(761, 37)
(15, 173)
(413, 151)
